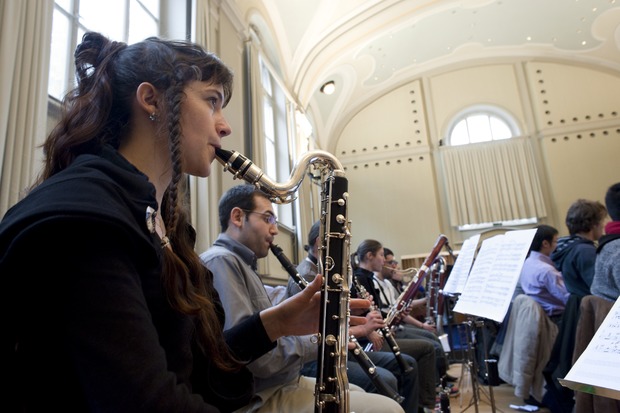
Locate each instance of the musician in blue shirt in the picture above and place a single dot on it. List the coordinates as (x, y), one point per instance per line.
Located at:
(540, 279)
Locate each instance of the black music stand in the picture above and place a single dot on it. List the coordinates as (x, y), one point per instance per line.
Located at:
(463, 340)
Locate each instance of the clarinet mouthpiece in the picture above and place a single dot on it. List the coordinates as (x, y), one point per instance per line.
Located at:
(223, 155)
(240, 166)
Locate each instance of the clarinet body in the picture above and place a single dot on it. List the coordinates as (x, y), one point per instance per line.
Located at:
(370, 369)
(403, 304)
(385, 332)
(332, 385)
(358, 352)
(288, 266)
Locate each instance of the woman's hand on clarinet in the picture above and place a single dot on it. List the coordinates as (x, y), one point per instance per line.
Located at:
(297, 315)
(374, 321)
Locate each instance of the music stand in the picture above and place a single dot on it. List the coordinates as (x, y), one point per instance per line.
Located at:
(487, 293)
(463, 345)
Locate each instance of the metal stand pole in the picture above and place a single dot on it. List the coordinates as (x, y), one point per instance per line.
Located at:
(472, 367)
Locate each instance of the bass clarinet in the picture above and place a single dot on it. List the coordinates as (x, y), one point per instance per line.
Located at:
(332, 385)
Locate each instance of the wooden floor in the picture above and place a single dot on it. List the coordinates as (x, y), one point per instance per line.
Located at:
(490, 400)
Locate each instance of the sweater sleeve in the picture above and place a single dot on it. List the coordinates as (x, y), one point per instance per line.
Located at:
(585, 263)
(248, 340)
(242, 296)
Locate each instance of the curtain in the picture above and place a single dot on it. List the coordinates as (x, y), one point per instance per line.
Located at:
(254, 103)
(25, 43)
(205, 192)
(492, 182)
(253, 95)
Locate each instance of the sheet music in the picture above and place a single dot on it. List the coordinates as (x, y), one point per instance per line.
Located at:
(494, 275)
(462, 265)
(597, 370)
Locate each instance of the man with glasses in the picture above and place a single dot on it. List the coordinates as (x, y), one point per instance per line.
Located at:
(248, 227)
(391, 272)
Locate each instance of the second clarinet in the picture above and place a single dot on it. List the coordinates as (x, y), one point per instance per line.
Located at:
(386, 333)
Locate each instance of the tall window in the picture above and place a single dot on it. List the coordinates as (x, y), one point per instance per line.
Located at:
(278, 121)
(121, 20)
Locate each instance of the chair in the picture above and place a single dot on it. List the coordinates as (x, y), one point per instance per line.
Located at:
(560, 399)
(459, 342)
(530, 335)
(593, 311)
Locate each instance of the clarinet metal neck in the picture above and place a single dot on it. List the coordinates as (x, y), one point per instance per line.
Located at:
(280, 193)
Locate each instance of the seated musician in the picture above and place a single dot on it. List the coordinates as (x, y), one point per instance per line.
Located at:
(540, 279)
(370, 259)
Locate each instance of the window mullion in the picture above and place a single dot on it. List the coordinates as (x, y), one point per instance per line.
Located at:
(127, 19)
(73, 41)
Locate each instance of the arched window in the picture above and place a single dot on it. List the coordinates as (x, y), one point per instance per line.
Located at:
(481, 124)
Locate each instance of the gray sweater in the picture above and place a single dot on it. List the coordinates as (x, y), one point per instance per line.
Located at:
(606, 282)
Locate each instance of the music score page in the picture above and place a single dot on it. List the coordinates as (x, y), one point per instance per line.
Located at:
(597, 370)
(458, 276)
(494, 275)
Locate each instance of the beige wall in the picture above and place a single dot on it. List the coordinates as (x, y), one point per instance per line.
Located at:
(490, 84)
(396, 188)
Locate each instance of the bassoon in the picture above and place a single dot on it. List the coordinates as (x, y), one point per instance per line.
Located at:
(402, 306)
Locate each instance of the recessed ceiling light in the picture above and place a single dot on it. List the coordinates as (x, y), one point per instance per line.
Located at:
(329, 87)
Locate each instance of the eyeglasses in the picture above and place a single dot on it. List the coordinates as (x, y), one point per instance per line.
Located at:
(268, 217)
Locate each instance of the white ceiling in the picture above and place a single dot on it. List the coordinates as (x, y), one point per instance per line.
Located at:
(370, 47)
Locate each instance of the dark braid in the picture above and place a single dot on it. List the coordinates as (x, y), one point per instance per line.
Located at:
(189, 282)
(174, 97)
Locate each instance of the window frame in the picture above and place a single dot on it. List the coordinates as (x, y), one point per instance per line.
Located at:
(278, 133)
(77, 26)
(490, 111)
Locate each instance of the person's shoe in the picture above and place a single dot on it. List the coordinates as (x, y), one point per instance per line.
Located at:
(451, 388)
(451, 378)
(533, 402)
